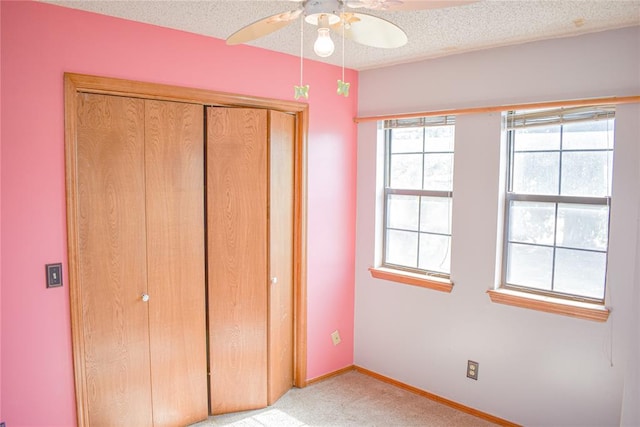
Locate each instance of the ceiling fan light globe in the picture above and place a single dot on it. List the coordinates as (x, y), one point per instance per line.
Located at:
(323, 47)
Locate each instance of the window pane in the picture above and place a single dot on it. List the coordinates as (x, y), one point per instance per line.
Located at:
(435, 253)
(438, 172)
(536, 173)
(583, 226)
(407, 140)
(418, 156)
(402, 212)
(438, 139)
(580, 273)
(532, 222)
(402, 248)
(529, 265)
(537, 138)
(588, 135)
(406, 171)
(435, 215)
(556, 245)
(586, 173)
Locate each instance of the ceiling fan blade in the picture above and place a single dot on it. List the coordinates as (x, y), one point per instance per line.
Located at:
(263, 27)
(370, 30)
(405, 4)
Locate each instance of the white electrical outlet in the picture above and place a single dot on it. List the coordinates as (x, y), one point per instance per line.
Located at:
(335, 337)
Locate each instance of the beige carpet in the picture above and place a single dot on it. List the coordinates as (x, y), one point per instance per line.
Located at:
(350, 399)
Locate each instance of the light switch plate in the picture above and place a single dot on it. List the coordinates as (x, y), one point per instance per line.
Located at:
(54, 275)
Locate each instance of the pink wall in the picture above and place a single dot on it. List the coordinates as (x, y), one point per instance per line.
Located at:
(39, 43)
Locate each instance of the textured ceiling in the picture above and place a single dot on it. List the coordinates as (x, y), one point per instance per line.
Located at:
(432, 33)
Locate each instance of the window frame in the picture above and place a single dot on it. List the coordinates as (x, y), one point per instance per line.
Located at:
(390, 270)
(510, 196)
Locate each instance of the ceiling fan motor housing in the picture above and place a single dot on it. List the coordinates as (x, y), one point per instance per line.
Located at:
(313, 9)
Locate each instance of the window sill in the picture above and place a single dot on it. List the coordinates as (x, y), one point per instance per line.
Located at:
(414, 279)
(578, 309)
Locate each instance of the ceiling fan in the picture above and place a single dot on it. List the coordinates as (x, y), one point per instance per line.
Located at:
(337, 15)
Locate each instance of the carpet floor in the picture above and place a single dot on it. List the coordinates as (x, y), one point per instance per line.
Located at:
(350, 399)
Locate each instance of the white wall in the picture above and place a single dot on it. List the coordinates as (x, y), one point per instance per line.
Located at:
(631, 407)
(535, 368)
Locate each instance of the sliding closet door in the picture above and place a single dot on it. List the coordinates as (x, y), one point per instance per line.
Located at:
(237, 257)
(281, 178)
(111, 260)
(174, 147)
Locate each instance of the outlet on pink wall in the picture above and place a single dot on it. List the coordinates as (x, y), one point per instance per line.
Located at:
(39, 43)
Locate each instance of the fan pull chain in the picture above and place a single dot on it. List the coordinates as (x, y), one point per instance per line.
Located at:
(302, 90)
(343, 87)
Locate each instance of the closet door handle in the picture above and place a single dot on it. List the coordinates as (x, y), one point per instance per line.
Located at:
(274, 280)
(145, 297)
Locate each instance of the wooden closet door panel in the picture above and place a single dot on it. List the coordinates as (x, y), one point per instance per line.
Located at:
(237, 257)
(174, 147)
(112, 259)
(281, 177)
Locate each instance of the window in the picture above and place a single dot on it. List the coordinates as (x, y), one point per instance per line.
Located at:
(418, 194)
(557, 201)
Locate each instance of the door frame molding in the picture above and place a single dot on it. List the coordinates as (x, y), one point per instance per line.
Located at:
(81, 83)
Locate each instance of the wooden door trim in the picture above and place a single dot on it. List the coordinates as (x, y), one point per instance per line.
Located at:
(131, 88)
(80, 83)
(75, 294)
(300, 251)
